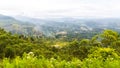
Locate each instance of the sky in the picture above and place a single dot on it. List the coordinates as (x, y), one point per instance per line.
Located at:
(59, 8)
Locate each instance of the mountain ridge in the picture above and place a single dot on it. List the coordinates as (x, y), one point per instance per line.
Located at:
(53, 26)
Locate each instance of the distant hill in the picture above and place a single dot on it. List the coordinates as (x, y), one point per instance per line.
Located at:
(56, 26)
(16, 26)
(52, 26)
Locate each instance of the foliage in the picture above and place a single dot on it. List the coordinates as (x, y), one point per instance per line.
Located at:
(30, 61)
(20, 51)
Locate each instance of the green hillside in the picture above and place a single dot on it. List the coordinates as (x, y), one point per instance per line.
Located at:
(19, 51)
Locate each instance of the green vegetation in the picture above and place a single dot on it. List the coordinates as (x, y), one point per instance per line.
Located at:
(19, 51)
(30, 61)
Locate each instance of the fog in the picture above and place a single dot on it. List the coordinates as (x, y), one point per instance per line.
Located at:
(58, 8)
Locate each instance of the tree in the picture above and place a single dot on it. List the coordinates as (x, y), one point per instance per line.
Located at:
(108, 37)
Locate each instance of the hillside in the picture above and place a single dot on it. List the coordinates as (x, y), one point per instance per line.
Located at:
(72, 27)
(16, 26)
(65, 44)
(88, 23)
(101, 51)
(58, 27)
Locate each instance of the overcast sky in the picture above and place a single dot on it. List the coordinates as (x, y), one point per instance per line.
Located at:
(68, 8)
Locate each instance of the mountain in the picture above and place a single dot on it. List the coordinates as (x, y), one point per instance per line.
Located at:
(57, 26)
(16, 26)
(51, 26)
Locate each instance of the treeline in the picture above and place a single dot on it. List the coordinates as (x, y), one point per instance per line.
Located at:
(19, 51)
(15, 45)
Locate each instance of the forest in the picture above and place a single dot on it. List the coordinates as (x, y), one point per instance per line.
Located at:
(21, 51)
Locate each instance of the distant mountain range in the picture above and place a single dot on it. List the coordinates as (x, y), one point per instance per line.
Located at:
(55, 26)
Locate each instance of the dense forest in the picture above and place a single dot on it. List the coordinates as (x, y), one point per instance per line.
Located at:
(21, 51)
